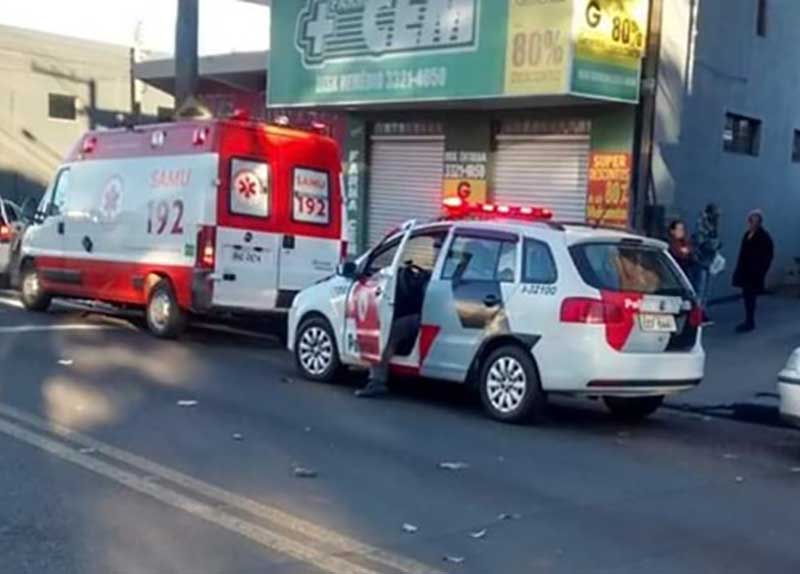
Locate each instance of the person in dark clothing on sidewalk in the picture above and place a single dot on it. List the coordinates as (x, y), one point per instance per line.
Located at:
(755, 259)
(681, 248)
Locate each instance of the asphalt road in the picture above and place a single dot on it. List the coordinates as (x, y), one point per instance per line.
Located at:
(101, 470)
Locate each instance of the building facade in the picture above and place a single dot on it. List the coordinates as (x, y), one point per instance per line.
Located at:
(53, 89)
(727, 127)
(509, 101)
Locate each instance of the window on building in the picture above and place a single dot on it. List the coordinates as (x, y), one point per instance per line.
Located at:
(796, 147)
(761, 18)
(62, 107)
(742, 135)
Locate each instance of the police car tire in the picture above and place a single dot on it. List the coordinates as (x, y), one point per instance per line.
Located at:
(38, 302)
(335, 365)
(175, 323)
(530, 406)
(633, 409)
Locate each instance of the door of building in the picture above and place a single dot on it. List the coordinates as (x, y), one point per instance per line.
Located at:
(545, 171)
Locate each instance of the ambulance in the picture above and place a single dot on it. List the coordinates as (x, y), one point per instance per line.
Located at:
(213, 217)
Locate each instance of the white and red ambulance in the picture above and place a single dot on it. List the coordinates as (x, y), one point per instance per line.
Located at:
(200, 217)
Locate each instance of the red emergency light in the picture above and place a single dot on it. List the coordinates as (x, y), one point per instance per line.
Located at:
(5, 234)
(457, 208)
(89, 144)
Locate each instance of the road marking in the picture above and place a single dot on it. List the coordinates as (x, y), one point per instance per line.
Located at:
(11, 302)
(44, 328)
(331, 540)
(259, 534)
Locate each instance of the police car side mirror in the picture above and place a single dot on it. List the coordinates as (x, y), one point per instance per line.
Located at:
(348, 269)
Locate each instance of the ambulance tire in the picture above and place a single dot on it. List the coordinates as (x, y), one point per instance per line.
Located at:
(633, 409)
(509, 385)
(32, 295)
(165, 318)
(315, 342)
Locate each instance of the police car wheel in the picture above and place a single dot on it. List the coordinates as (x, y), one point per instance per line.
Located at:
(509, 385)
(632, 409)
(32, 294)
(165, 318)
(315, 351)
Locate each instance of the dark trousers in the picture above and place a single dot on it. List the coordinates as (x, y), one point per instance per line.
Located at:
(750, 300)
(401, 327)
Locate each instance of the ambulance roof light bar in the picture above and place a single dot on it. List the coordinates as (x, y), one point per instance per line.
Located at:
(457, 208)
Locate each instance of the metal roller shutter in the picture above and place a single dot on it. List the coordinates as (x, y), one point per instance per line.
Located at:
(405, 182)
(546, 171)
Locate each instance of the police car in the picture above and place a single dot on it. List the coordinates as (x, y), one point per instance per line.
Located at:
(505, 299)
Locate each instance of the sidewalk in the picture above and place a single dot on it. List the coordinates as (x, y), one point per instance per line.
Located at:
(741, 370)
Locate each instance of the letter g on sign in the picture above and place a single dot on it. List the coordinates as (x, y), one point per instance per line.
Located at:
(594, 14)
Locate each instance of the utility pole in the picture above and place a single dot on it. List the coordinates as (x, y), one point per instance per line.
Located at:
(643, 219)
(186, 62)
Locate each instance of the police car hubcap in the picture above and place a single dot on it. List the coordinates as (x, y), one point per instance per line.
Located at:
(506, 384)
(316, 350)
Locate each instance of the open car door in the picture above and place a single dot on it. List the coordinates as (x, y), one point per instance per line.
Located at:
(370, 303)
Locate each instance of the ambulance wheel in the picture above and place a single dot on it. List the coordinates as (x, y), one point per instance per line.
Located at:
(509, 385)
(633, 409)
(315, 352)
(165, 318)
(32, 294)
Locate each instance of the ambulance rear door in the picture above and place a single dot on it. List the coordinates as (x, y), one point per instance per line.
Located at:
(247, 240)
(311, 245)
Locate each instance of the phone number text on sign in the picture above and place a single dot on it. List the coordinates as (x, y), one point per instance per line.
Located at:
(382, 81)
(311, 196)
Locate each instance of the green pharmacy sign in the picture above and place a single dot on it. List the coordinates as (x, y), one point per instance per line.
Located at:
(351, 52)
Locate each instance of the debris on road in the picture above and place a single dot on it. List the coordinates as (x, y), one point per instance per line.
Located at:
(87, 450)
(739, 479)
(507, 516)
(66, 362)
(410, 528)
(454, 559)
(302, 472)
(730, 456)
(187, 403)
(287, 380)
(795, 470)
(453, 465)
(237, 436)
(307, 429)
(478, 535)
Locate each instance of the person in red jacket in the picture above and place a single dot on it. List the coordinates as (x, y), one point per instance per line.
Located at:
(680, 247)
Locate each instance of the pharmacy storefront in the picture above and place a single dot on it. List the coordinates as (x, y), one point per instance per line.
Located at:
(516, 101)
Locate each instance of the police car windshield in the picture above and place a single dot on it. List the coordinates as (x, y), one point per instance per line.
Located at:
(628, 268)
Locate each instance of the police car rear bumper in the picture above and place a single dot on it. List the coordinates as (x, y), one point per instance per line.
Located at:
(626, 374)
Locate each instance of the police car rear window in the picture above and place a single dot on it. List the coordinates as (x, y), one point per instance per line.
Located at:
(628, 268)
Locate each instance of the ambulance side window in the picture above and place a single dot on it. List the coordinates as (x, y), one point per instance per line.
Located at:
(311, 196)
(250, 191)
(54, 202)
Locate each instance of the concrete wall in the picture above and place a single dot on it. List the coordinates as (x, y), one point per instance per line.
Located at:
(713, 62)
(34, 65)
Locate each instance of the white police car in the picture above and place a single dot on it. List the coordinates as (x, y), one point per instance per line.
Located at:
(515, 304)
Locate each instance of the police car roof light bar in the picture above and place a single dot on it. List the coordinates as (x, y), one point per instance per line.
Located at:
(457, 208)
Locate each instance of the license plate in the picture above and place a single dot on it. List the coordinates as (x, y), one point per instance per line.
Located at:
(657, 323)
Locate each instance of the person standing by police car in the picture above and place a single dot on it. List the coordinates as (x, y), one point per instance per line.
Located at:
(755, 259)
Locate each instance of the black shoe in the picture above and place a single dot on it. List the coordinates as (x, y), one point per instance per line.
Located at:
(372, 391)
(745, 328)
